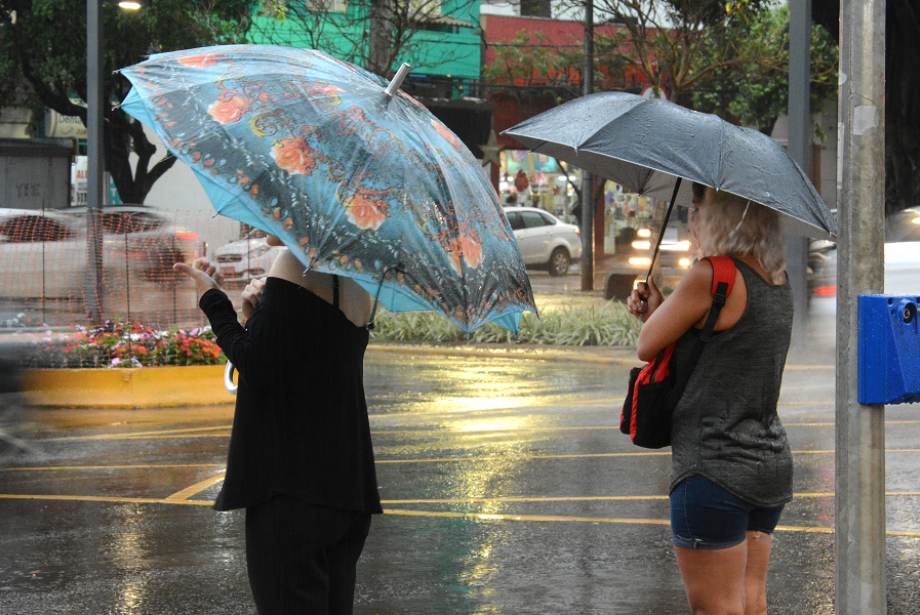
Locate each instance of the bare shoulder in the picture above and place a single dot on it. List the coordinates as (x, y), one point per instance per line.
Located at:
(697, 280)
(287, 267)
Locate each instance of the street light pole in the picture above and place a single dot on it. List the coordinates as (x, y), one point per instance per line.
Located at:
(860, 439)
(587, 184)
(800, 137)
(95, 152)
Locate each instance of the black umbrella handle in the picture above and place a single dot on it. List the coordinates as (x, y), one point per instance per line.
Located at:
(667, 217)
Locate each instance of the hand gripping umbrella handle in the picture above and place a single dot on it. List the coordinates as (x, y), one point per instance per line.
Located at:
(398, 79)
(667, 217)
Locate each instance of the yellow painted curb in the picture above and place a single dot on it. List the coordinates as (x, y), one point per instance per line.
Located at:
(127, 388)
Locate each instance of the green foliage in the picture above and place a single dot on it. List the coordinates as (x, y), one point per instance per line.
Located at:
(608, 325)
(754, 87)
(43, 63)
(124, 344)
(540, 68)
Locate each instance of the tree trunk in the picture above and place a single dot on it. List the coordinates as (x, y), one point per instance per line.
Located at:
(902, 96)
(379, 59)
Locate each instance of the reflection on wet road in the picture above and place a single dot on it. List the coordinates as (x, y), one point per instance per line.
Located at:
(507, 488)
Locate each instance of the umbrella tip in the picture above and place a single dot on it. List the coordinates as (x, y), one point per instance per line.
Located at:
(398, 79)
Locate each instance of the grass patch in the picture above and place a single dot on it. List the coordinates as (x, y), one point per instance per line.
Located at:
(606, 325)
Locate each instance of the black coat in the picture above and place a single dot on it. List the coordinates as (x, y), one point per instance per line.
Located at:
(301, 426)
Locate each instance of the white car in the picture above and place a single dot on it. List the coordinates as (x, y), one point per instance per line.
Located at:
(902, 258)
(902, 270)
(247, 259)
(544, 240)
(45, 253)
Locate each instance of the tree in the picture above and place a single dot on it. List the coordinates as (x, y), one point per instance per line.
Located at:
(376, 34)
(43, 65)
(676, 44)
(902, 96)
(753, 85)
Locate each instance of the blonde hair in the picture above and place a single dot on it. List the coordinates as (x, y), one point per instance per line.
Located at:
(728, 225)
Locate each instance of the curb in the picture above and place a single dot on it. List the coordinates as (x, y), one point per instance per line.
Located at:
(146, 387)
(583, 354)
(201, 385)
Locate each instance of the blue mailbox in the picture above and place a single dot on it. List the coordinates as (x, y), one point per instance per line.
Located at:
(889, 349)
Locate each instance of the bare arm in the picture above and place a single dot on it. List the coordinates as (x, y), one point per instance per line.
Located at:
(686, 306)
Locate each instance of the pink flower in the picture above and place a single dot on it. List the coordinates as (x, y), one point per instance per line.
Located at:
(472, 250)
(294, 156)
(228, 109)
(447, 134)
(366, 213)
(200, 61)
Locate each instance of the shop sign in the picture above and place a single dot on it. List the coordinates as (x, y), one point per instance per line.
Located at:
(59, 126)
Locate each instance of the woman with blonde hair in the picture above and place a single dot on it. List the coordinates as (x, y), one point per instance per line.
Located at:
(731, 464)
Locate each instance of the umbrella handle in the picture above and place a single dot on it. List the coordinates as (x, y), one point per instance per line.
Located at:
(398, 79)
(667, 217)
(228, 379)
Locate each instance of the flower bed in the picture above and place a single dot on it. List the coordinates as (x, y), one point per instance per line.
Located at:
(122, 344)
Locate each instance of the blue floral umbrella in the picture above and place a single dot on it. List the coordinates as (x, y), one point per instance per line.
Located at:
(357, 179)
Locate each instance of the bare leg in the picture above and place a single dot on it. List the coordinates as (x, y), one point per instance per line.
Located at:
(714, 579)
(755, 575)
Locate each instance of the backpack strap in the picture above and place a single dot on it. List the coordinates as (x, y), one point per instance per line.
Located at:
(723, 270)
(723, 281)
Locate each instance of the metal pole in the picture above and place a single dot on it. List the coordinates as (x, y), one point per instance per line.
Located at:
(860, 438)
(95, 162)
(587, 184)
(800, 132)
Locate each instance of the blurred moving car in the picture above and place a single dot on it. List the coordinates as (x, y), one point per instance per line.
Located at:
(544, 240)
(633, 256)
(902, 259)
(247, 259)
(44, 253)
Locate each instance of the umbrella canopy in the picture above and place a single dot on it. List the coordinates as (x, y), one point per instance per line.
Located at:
(646, 144)
(355, 180)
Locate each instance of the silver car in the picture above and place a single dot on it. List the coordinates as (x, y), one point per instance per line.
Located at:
(247, 259)
(45, 253)
(544, 240)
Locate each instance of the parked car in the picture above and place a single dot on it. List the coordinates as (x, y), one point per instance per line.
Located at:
(544, 240)
(44, 253)
(246, 259)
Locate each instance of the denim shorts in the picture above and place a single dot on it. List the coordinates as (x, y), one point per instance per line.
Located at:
(705, 516)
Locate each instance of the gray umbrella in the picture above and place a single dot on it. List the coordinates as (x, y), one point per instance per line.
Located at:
(646, 145)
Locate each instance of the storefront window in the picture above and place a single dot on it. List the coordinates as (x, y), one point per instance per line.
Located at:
(535, 180)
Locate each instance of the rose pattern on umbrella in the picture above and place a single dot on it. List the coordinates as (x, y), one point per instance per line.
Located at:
(366, 212)
(350, 193)
(294, 155)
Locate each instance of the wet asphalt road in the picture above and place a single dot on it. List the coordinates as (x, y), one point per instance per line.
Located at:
(507, 489)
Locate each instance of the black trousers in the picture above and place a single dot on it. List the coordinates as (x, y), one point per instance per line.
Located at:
(301, 558)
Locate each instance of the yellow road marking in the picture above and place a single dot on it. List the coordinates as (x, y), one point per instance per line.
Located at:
(599, 498)
(506, 517)
(114, 467)
(423, 513)
(195, 489)
(139, 434)
(519, 458)
(98, 498)
(394, 461)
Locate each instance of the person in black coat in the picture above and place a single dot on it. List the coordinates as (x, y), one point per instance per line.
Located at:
(300, 459)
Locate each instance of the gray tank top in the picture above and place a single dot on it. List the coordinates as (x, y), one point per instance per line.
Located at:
(725, 426)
